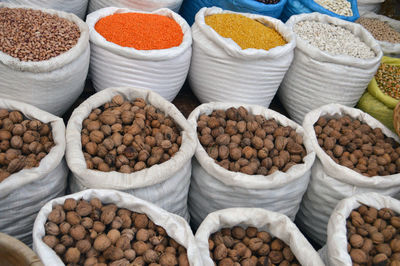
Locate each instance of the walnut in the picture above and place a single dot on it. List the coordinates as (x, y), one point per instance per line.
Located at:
(72, 255)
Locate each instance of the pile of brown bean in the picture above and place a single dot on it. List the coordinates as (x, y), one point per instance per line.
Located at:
(381, 30)
(32, 35)
(251, 144)
(238, 246)
(23, 142)
(128, 136)
(373, 236)
(356, 145)
(90, 233)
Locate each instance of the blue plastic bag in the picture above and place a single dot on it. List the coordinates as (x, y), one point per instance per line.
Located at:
(190, 8)
(295, 7)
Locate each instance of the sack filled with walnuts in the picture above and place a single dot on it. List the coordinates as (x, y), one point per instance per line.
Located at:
(355, 154)
(247, 156)
(135, 141)
(108, 227)
(32, 165)
(252, 236)
(364, 230)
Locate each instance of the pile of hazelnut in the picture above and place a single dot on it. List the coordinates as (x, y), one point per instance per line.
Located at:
(356, 145)
(128, 136)
(90, 233)
(373, 236)
(251, 144)
(23, 142)
(249, 247)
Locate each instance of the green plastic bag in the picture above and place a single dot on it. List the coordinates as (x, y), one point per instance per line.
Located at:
(378, 104)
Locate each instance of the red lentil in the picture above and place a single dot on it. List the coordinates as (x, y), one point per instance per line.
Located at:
(140, 31)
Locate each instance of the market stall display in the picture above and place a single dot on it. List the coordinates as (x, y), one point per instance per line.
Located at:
(262, 237)
(110, 226)
(337, 72)
(271, 8)
(14, 252)
(33, 173)
(77, 7)
(49, 71)
(140, 5)
(385, 30)
(364, 158)
(381, 96)
(256, 170)
(262, 50)
(156, 55)
(364, 229)
(151, 148)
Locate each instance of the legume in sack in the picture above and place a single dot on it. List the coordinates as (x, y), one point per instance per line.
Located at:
(140, 31)
(246, 32)
(340, 7)
(388, 80)
(381, 30)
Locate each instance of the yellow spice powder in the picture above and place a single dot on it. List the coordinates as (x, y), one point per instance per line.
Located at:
(246, 32)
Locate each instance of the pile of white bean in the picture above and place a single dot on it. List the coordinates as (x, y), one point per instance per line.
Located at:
(333, 39)
(340, 7)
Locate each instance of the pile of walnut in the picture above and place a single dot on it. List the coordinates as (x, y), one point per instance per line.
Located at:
(23, 142)
(128, 136)
(251, 144)
(357, 146)
(249, 247)
(373, 236)
(90, 233)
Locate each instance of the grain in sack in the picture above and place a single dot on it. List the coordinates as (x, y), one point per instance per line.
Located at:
(337, 72)
(133, 57)
(355, 154)
(99, 226)
(33, 169)
(77, 7)
(252, 157)
(385, 30)
(219, 51)
(149, 5)
(135, 141)
(362, 229)
(255, 237)
(50, 71)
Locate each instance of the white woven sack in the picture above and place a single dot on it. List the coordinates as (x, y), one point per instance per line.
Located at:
(336, 247)
(77, 7)
(214, 188)
(222, 71)
(165, 184)
(23, 194)
(52, 85)
(331, 182)
(274, 223)
(147, 5)
(365, 6)
(163, 71)
(390, 49)
(316, 78)
(175, 226)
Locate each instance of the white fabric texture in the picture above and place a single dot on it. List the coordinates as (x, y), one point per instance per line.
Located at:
(222, 71)
(148, 5)
(23, 194)
(163, 71)
(331, 182)
(274, 223)
(175, 226)
(336, 248)
(213, 187)
(165, 184)
(316, 77)
(365, 6)
(77, 7)
(389, 49)
(52, 85)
